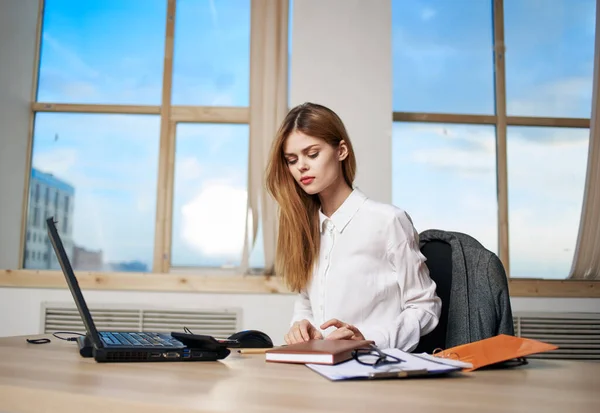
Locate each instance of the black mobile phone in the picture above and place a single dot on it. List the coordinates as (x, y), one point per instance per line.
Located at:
(200, 341)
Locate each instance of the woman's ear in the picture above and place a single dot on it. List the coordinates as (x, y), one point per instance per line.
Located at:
(343, 150)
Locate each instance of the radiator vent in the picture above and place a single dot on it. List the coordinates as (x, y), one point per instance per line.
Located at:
(577, 335)
(217, 322)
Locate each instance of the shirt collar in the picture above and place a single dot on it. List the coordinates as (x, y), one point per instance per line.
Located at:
(344, 214)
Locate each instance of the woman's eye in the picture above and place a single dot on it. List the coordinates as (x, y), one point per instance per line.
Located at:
(291, 161)
(313, 155)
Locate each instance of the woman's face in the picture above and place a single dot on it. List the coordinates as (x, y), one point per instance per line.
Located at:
(313, 163)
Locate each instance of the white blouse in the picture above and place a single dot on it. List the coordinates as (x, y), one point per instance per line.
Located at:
(371, 274)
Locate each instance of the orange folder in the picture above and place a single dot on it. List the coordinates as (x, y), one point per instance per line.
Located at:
(495, 350)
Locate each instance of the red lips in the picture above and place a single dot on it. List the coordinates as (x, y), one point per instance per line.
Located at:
(306, 180)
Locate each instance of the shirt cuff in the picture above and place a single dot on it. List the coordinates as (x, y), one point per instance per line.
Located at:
(376, 334)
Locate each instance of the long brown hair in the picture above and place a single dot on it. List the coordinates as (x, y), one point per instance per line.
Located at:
(298, 239)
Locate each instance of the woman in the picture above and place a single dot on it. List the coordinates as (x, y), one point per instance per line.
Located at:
(355, 262)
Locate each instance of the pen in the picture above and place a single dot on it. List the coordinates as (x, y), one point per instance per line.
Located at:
(252, 350)
(397, 374)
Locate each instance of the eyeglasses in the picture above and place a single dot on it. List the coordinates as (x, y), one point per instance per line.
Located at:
(374, 357)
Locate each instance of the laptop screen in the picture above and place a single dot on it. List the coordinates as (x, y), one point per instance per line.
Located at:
(65, 264)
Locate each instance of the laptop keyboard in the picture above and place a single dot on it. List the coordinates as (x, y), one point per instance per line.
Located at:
(134, 339)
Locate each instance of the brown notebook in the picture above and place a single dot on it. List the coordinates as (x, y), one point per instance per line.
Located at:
(316, 351)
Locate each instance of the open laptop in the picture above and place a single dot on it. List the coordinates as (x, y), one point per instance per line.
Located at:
(116, 346)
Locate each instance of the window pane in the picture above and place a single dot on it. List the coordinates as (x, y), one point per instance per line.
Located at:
(211, 175)
(102, 51)
(444, 176)
(212, 53)
(100, 174)
(549, 57)
(442, 56)
(546, 178)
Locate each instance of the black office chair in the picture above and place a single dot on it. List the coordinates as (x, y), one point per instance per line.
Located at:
(439, 262)
(472, 285)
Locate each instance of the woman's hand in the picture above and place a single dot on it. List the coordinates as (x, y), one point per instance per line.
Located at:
(302, 331)
(344, 331)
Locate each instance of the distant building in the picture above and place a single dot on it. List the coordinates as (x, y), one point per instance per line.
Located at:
(48, 196)
(86, 260)
(130, 266)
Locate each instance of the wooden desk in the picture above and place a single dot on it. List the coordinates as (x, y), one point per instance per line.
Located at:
(54, 378)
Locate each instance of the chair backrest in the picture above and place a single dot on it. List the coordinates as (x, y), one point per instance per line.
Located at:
(439, 262)
(472, 285)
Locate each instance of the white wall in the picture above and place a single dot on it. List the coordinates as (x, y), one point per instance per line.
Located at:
(341, 58)
(20, 308)
(18, 20)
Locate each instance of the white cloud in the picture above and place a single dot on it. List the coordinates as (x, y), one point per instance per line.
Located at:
(188, 169)
(71, 59)
(464, 150)
(195, 90)
(430, 56)
(552, 170)
(542, 243)
(211, 221)
(213, 13)
(216, 136)
(547, 169)
(457, 160)
(74, 79)
(73, 90)
(428, 13)
(59, 162)
(560, 98)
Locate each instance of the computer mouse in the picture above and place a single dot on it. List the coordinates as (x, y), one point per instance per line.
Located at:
(251, 339)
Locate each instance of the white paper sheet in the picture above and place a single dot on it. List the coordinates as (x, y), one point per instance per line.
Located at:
(447, 361)
(418, 364)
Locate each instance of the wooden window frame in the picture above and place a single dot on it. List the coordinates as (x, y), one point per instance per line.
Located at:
(526, 287)
(170, 116)
(160, 279)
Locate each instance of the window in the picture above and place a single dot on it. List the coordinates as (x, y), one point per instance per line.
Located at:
(448, 105)
(445, 177)
(212, 53)
(102, 51)
(108, 163)
(546, 175)
(549, 64)
(442, 57)
(125, 117)
(211, 172)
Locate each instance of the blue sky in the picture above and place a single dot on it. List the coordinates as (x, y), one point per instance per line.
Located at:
(111, 52)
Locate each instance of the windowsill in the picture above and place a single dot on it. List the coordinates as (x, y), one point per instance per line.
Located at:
(135, 281)
(250, 284)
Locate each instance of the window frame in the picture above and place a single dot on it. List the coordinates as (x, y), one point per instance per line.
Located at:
(518, 286)
(170, 116)
(160, 279)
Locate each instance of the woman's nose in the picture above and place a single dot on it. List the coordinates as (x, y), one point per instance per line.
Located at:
(302, 166)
